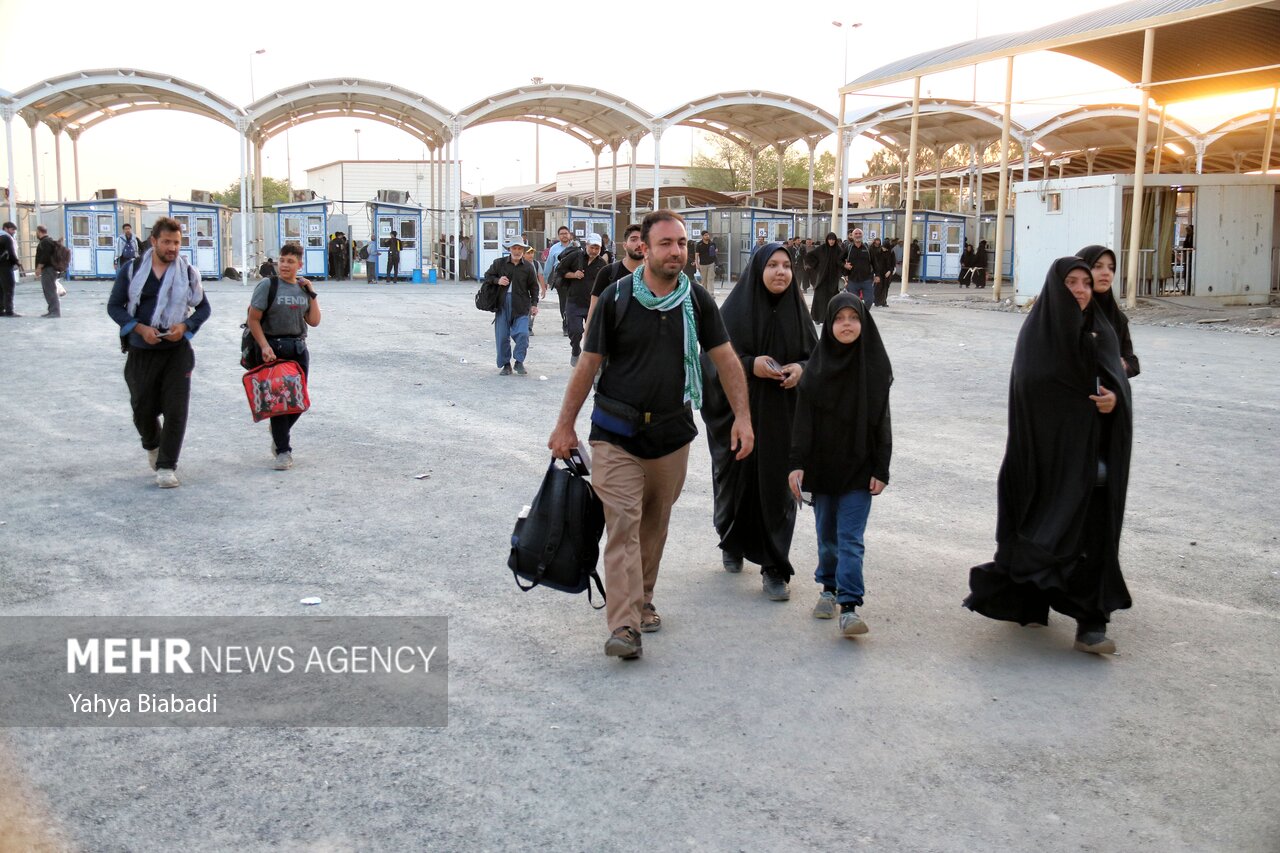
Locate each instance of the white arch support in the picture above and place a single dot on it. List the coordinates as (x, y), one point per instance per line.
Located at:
(409, 111)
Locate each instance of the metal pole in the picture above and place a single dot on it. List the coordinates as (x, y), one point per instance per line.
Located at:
(1002, 204)
(35, 171)
(837, 189)
(1271, 132)
(937, 178)
(244, 198)
(846, 140)
(457, 202)
(75, 159)
(595, 179)
(780, 149)
(657, 162)
(911, 186)
(631, 177)
(57, 162)
(808, 228)
(1155, 170)
(613, 192)
(1139, 170)
(751, 190)
(8, 139)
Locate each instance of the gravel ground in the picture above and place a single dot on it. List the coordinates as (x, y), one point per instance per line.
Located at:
(747, 725)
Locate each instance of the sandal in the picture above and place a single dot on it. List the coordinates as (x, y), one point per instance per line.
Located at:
(650, 621)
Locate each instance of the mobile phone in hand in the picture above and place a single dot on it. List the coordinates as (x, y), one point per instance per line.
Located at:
(772, 365)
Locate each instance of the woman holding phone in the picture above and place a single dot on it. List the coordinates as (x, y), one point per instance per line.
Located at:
(754, 513)
(1062, 487)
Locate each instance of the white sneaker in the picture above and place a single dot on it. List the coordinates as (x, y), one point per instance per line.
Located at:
(153, 456)
(167, 478)
(284, 461)
(826, 606)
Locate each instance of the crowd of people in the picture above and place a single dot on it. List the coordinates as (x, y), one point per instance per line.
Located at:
(793, 414)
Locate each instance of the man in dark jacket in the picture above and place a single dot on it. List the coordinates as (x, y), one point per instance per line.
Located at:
(578, 294)
(10, 265)
(862, 276)
(519, 300)
(48, 272)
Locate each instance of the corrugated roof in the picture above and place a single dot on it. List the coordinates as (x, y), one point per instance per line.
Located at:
(1194, 38)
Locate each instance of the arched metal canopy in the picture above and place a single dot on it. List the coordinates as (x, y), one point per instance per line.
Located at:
(1099, 126)
(415, 114)
(943, 123)
(754, 119)
(595, 117)
(75, 102)
(1203, 47)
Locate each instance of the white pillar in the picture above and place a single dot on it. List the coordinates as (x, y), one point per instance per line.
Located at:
(937, 177)
(1026, 159)
(780, 149)
(751, 185)
(457, 200)
(613, 192)
(595, 178)
(846, 140)
(911, 188)
(256, 212)
(8, 141)
(35, 170)
(431, 237)
(57, 162)
(982, 162)
(242, 125)
(837, 189)
(1155, 169)
(1271, 132)
(657, 163)
(1002, 204)
(1139, 170)
(631, 176)
(75, 158)
(808, 228)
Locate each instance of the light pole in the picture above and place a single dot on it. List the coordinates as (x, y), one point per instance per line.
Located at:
(357, 143)
(537, 139)
(253, 97)
(848, 28)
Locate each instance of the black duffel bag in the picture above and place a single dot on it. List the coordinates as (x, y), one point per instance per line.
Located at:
(557, 542)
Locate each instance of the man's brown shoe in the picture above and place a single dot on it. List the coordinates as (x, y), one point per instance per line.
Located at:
(623, 643)
(650, 621)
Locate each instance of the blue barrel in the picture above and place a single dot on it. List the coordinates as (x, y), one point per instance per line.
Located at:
(431, 275)
(416, 278)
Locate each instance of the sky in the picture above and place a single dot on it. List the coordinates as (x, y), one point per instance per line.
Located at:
(658, 57)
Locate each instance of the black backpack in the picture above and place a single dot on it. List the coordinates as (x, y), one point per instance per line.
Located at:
(61, 256)
(557, 542)
(364, 252)
(567, 261)
(250, 352)
(489, 297)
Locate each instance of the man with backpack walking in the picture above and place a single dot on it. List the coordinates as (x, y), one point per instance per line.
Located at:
(517, 301)
(159, 303)
(646, 332)
(47, 269)
(127, 246)
(565, 257)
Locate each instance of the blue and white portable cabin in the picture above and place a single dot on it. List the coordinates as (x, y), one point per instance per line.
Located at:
(881, 222)
(941, 235)
(987, 231)
(734, 231)
(406, 221)
(305, 223)
(91, 229)
(581, 221)
(495, 228)
(206, 235)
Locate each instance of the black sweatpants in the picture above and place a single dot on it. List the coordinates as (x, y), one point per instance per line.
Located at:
(159, 383)
(393, 267)
(281, 424)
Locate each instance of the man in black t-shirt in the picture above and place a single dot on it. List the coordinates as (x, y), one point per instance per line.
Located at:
(577, 294)
(645, 333)
(632, 258)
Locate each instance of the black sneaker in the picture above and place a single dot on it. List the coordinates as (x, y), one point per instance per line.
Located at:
(505, 371)
(520, 371)
(775, 588)
(624, 643)
(1095, 643)
(732, 562)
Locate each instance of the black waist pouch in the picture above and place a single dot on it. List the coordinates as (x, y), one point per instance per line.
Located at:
(626, 420)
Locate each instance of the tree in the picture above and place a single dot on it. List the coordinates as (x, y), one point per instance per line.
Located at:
(727, 168)
(273, 192)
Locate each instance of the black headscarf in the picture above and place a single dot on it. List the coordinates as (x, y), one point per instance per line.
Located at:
(1057, 533)
(850, 381)
(754, 512)
(827, 259)
(1106, 304)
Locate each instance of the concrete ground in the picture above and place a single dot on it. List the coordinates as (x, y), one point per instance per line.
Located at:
(748, 725)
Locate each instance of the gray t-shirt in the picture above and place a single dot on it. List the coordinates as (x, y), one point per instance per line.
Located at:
(285, 318)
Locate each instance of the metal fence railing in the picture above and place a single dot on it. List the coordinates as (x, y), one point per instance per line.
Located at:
(1150, 283)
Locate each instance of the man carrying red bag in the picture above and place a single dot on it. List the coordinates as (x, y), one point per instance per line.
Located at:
(280, 330)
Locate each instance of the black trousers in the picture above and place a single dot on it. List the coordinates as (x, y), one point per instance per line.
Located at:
(393, 267)
(281, 424)
(6, 289)
(575, 316)
(159, 383)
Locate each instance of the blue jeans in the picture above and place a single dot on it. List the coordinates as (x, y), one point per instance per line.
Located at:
(864, 290)
(507, 329)
(841, 522)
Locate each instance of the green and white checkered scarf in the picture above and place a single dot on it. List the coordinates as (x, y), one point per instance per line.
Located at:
(681, 297)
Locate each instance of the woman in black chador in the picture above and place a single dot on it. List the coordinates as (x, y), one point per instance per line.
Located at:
(827, 261)
(1062, 486)
(754, 513)
(1102, 263)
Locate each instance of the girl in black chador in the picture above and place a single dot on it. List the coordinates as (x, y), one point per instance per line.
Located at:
(1065, 475)
(1103, 267)
(827, 261)
(754, 514)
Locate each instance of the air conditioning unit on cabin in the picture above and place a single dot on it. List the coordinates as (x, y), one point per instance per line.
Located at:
(674, 202)
(393, 196)
(102, 195)
(302, 195)
(202, 196)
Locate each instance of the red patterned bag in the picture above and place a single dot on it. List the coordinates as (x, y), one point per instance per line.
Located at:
(276, 388)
